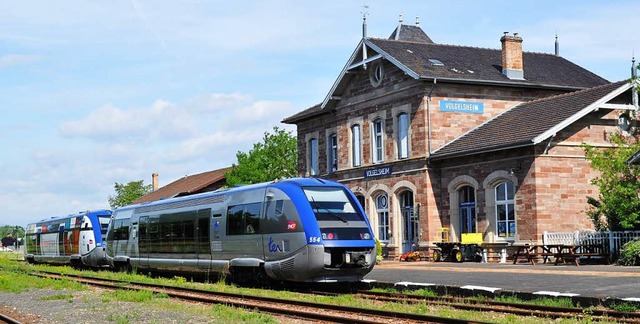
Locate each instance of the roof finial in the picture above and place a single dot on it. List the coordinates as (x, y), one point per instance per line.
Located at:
(417, 21)
(557, 46)
(365, 13)
(400, 19)
(634, 67)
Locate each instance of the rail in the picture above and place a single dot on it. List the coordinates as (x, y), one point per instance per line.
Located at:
(614, 240)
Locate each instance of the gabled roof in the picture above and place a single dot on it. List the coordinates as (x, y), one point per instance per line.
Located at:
(187, 185)
(533, 122)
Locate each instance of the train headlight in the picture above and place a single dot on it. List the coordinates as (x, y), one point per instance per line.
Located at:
(365, 236)
(329, 236)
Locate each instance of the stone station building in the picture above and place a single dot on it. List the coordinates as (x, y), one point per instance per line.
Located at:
(438, 140)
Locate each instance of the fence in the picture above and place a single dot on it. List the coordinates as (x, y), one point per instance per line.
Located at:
(613, 239)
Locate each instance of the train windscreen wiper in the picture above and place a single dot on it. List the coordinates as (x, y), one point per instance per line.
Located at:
(327, 211)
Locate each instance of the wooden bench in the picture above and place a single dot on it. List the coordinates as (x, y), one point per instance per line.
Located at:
(575, 252)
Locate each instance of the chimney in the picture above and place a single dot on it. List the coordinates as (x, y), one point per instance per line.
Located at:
(512, 56)
(154, 181)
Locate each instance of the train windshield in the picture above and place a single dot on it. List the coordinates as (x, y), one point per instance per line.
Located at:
(331, 204)
(337, 217)
(104, 224)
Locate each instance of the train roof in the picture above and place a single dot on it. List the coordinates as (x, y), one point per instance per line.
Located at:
(300, 182)
(96, 212)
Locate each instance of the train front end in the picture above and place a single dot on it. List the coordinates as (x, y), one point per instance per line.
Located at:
(340, 246)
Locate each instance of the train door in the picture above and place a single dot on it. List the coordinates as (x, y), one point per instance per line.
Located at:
(143, 241)
(410, 221)
(467, 207)
(243, 233)
(203, 221)
(87, 236)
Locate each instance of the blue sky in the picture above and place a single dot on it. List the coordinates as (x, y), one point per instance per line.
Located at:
(98, 92)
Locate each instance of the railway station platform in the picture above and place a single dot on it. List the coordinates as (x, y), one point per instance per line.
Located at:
(591, 280)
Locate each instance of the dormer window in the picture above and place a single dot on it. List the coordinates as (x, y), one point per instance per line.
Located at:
(435, 62)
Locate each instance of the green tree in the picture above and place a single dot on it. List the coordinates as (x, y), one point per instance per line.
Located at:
(275, 157)
(618, 205)
(17, 231)
(127, 194)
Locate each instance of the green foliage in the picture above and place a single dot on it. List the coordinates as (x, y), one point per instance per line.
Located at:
(630, 253)
(276, 157)
(618, 206)
(17, 231)
(624, 307)
(127, 194)
(379, 257)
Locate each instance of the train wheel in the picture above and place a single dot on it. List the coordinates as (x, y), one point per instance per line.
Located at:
(437, 256)
(457, 255)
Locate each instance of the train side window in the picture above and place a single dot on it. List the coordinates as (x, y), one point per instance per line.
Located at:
(243, 219)
(235, 222)
(252, 218)
(281, 217)
(121, 229)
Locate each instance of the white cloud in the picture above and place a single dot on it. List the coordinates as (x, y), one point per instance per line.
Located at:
(161, 120)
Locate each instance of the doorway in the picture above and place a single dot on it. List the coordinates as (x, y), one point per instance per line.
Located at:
(410, 221)
(467, 206)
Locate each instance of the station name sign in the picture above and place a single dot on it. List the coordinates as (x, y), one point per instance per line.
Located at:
(462, 106)
(377, 172)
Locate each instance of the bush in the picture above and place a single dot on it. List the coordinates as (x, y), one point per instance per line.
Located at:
(630, 253)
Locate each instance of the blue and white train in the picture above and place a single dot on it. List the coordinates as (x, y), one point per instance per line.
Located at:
(302, 230)
(74, 240)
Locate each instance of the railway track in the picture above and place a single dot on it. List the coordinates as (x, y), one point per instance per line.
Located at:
(521, 309)
(328, 313)
(7, 319)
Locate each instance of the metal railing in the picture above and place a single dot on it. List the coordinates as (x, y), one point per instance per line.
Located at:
(613, 239)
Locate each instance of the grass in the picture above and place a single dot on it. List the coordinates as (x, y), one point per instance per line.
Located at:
(14, 278)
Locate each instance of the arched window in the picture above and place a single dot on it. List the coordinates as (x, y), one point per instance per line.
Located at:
(313, 157)
(403, 136)
(467, 207)
(361, 201)
(356, 146)
(332, 153)
(505, 211)
(382, 209)
(377, 141)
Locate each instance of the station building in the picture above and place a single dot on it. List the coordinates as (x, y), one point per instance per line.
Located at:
(439, 140)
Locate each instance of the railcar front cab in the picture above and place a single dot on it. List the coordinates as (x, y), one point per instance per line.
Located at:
(339, 245)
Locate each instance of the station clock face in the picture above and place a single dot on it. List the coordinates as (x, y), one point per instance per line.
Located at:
(624, 121)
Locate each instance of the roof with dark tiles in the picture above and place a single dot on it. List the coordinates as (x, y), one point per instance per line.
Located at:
(524, 123)
(187, 185)
(410, 33)
(465, 64)
(483, 64)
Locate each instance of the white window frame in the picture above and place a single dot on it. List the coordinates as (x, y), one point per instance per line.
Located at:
(403, 135)
(377, 141)
(332, 153)
(508, 203)
(382, 210)
(312, 157)
(356, 145)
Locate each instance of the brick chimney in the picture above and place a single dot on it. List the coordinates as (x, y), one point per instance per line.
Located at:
(512, 56)
(154, 181)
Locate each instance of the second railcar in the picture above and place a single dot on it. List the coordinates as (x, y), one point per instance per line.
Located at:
(304, 230)
(75, 239)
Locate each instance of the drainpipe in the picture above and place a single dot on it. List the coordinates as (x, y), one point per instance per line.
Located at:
(429, 116)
